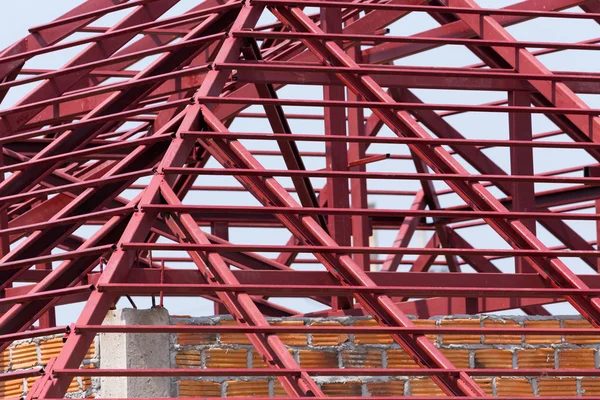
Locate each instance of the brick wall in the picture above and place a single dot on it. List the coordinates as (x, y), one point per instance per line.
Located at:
(28, 354)
(351, 351)
(379, 351)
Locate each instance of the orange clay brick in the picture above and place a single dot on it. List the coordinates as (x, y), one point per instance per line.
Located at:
(542, 339)
(233, 338)
(91, 351)
(4, 360)
(580, 339)
(428, 323)
(328, 339)
(458, 357)
(190, 339)
(535, 358)
(557, 387)
(461, 339)
(576, 358)
(24, 355)
(501, 339)
(424, 387)
(361, 359)
(371, 338)
(188, 359)
(513, 387)
(226, 358)
(278, 390)
(50, 348)
(190, 388)
(590, 386)
(386, 388)
(399, 359)
(86, 382)
(11, 389)
(259, 388)
(257, 360)
(292, 339)
(74, 386)
(318, 359)
(342, 389)
(485, 384)
(493, 358)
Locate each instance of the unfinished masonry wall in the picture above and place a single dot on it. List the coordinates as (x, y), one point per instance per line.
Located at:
(339, 351)
(32, 353)
(379, 351)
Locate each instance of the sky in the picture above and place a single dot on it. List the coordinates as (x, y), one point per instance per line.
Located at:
(17, 16)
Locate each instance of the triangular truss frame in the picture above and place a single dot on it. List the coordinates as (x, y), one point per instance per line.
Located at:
(67, 165)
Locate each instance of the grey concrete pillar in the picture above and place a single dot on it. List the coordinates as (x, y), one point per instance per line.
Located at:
(135, 350)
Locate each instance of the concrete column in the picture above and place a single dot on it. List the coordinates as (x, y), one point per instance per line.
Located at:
(135, 350)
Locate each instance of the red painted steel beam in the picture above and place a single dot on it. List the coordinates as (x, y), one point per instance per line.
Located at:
(247, 16)
(406, 39)
(76, 145)
(367, 250)
(524, 61)
(322, 173)
(376, 330)
(343, 268)
(556, 272)
(405, 233)
(181, 289)
(422, 279)
(250, 372)
(180, 56)
(457, 29)
(382, 398)
(49, 36)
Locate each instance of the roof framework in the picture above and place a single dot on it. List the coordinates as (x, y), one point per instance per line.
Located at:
(240, 152)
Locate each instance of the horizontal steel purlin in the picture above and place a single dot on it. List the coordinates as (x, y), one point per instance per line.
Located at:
(427, 8)
(310, 290)
(325, 329)
(217, 248)
(215, 210)
(590, 112)
(408, 39)
(390, 140)
(196, 372)
(380, 398)
(324, 173)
